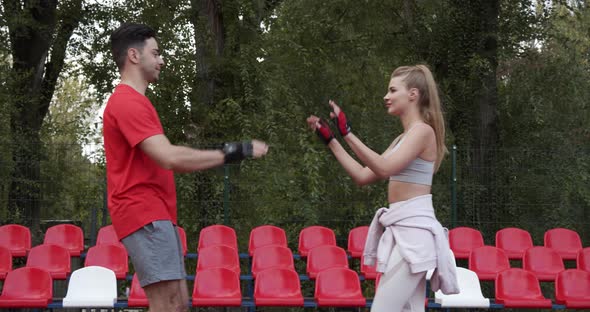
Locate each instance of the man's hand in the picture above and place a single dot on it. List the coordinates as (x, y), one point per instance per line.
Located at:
(259, 149)
(238, 151)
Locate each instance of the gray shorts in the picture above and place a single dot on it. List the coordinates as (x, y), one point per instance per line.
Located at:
(156, 253)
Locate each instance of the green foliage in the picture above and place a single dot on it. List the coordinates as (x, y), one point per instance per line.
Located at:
(280, 61)
(72, 179)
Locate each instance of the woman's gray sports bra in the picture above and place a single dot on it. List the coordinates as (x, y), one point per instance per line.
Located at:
(419, 171)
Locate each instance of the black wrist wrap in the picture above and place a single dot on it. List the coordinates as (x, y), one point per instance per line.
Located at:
(237, 151)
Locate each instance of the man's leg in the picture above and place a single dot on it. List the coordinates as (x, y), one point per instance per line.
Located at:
(158, 262)
(165, 296)
(183, 286)
(184, 294)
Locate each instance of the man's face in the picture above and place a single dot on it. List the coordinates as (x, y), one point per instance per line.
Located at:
(151, 61)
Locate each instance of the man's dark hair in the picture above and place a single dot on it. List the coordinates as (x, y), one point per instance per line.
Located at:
(129, 35)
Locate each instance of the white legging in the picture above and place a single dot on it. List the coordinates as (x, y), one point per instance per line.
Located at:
(399, 289)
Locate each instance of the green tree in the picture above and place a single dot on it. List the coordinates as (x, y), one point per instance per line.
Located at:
(38, 33)
(72, 174)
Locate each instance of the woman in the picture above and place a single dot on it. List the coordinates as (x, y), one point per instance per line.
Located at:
(405, 239)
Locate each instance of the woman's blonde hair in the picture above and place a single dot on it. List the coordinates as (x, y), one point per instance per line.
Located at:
(420, 77)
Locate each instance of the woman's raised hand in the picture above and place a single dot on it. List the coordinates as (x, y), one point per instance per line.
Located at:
(337, 113)
(313, 121)
(321, 128)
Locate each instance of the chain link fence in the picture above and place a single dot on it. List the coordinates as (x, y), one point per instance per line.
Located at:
(531, 189)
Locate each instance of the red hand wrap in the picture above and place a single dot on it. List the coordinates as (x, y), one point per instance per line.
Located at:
(324, 132)
(343, 125)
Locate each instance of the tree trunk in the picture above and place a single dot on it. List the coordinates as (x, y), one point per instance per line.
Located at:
(39, 34)
(207, 20)
(485, 138)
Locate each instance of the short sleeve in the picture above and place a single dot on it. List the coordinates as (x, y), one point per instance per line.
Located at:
(137, 121)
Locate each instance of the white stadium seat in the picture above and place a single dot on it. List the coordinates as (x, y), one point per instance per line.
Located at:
(470, 295)
(92, 286)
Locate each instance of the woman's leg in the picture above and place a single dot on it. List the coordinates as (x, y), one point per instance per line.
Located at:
(416, 302)
(400, 289)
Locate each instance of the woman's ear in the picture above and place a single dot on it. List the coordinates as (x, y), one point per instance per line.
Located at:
(414, 93)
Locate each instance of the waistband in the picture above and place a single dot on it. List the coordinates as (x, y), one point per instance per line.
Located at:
(422, 200)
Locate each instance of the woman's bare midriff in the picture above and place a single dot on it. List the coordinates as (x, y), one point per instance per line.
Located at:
(400, 191)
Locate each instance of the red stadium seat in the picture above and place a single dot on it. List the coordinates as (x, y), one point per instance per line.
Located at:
(583, 260)
(544, 262)
(314, 236)
(27, 288)
(107, 235)
(266, 235)
(566, 242)
(16, 238)
(68, 236)
(463, 239)
(487, 261)
(182, 236)
(370, 272)
(137, 297)
(5, 262)
(217, 235)
(325, 257)
(339, 287)
(572, 288)
(514, 242)
(278, 287)
(110, 256)
(218, 257)
(268, 257)
(51, 258)
(517, 288)
(356, 241)
(217, 287)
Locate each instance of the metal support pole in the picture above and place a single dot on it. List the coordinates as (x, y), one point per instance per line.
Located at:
(226, 187)
(454, 186)
(105, 203)
(93, 226)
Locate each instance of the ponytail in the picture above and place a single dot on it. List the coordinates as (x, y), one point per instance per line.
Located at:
(421, 78)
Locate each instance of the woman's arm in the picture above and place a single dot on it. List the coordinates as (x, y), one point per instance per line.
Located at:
(412, 147)
(359, 174)
(415, 144)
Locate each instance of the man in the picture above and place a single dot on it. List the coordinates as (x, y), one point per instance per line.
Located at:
(140, 166)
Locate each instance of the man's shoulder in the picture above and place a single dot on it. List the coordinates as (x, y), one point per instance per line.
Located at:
(124, 100)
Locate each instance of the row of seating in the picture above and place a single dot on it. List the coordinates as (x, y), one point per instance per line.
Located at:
(518, 288)
(486, 261)
(544, 262)
(218, 252)
(93, 286)
(515, 242)
(540, 260)
(56, 260)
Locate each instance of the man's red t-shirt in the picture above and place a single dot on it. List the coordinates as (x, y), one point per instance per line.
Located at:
(139, 190)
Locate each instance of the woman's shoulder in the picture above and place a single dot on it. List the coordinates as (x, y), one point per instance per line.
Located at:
(422, 130)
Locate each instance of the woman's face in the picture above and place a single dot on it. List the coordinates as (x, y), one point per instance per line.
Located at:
(398, 97)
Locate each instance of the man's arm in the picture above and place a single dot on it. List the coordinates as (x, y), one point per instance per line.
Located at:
(180, 158)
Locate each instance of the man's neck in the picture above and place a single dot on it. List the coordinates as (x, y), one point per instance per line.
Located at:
(139, 84)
